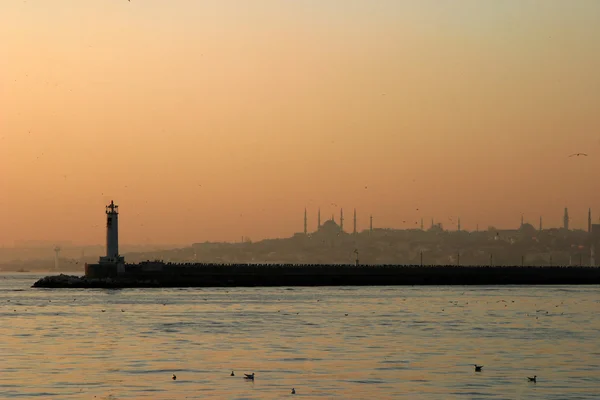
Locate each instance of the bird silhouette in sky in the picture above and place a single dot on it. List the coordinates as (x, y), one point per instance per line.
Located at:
(578, 155)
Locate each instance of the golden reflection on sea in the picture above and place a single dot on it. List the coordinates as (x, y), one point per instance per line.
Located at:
(394, 342)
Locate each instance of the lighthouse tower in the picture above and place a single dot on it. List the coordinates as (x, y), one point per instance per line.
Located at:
(112, 236)
(112, 232)
(112, 263)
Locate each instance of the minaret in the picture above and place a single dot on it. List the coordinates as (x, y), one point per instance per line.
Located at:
(566, 219)
(319, 219)
(431, 223)
(371, 223)
(541, 226)
(341, 220)
(590, 220)
(354, 230)
(421, 223)
(459, 224)
(522, 220)
(305, 223)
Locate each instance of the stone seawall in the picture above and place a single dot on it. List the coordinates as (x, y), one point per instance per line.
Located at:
(212, 275)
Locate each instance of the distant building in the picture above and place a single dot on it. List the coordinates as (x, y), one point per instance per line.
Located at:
(594, 242)
(527, 230)
(436, 227)
(329, 229)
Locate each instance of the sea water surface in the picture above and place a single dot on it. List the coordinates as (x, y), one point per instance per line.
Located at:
(326, 342)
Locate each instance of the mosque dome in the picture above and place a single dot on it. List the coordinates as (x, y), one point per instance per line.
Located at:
(329, 227)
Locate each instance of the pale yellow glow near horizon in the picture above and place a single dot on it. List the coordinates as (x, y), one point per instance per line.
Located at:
(219, 119)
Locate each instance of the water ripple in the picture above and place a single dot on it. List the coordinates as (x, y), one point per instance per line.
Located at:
(338, 343)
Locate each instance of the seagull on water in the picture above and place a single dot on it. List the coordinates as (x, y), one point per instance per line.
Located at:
(174, 377)
(578, 155)
(293, 391)
(249, 376)
(532, 379)
(478, 367)
(232, 374)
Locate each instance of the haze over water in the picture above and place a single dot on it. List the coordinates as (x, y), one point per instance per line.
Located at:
(395, 342)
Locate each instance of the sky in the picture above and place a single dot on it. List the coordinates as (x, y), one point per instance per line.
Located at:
(213, 120)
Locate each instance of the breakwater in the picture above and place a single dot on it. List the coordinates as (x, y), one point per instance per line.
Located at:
(217, 275)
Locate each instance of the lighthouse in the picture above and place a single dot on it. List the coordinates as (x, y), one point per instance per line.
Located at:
(112, 263)
(112, 231)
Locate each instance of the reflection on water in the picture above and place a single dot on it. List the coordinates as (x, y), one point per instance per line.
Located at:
(394, 342)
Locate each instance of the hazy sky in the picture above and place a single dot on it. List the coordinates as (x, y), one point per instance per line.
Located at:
(209, 120)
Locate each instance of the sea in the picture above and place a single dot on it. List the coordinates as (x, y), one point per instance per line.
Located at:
(396, 342)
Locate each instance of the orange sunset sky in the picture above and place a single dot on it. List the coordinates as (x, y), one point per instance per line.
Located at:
(209, 120)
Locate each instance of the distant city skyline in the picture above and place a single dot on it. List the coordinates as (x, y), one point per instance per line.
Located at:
(211, 120)
(452, 222)
(311, 223)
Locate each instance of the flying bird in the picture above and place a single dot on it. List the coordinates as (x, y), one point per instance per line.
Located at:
(532, 379)
(578, 155)
(249, 376)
